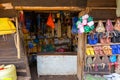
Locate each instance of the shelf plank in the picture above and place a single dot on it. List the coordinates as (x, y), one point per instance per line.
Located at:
(99, 44)
(101, 55)
(97, 72)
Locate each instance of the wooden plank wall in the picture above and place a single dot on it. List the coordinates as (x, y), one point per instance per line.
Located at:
(96, 13)
(47, 3)
(8, 13)
(8, 55)
(101, 3)
(103, 14)
(108, 11)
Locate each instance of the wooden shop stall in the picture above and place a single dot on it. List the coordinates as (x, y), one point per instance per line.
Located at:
(12, 50)
(55, 46)
(49, 34)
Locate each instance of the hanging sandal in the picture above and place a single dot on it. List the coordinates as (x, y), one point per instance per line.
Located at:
(89, 61)
(103, 38)
(108, 37)
(105, 50)
(96, 50)
(96, 61)
(91, 51)
(114, 49)
(88, 51)
(109, 50)
(105, 63)
(101, 50)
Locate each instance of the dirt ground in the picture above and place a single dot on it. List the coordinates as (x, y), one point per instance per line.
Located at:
(34, 75)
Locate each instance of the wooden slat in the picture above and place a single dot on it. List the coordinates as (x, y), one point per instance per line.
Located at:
(21, 70)
(23, 78)
(108, 8)
(8, 13)
(49, 3)
(19, 65)
(101, 3)
(33, 8)
(103, 14)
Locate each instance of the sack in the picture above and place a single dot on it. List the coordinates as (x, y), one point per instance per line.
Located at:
(109, 25)
(117, 25)
(100, 27)
(6, 26)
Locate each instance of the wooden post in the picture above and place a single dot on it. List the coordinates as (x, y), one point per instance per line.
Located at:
(80, 56)
(81, 50)
(18, 40)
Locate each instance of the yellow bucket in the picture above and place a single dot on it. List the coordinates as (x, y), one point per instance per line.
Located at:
(8, 73)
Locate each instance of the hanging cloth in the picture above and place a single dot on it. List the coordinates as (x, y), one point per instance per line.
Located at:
(50, 22)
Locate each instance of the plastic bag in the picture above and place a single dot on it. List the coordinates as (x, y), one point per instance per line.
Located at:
(6, 26)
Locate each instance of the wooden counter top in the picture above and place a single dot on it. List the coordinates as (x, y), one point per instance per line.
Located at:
(57, 53)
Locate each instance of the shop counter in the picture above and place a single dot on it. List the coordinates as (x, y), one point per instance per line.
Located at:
(57, 63)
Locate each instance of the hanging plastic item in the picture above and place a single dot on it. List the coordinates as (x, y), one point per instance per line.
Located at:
(21, 17)
(22, 22)
(113, 58)
(6, 26)
(74, 27)
(109, 26)
(50, 22)
(30, 45)
(100, 27)
(85, 24)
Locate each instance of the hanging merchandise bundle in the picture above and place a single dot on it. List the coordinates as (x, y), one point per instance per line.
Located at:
(7, 72)
(85, 24)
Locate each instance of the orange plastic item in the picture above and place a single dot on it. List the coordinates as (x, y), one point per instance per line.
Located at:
(24, 30)
(50, 22)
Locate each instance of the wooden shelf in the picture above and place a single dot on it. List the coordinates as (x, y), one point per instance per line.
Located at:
(99, 44)
(100, 55)
(97, 72)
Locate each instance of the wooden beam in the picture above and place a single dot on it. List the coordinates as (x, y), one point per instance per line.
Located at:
(103, 14)
(101, 3)
(102, 7)
(47, 8)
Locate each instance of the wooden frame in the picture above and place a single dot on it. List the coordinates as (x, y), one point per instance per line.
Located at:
(33, 8)
(80, 56)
